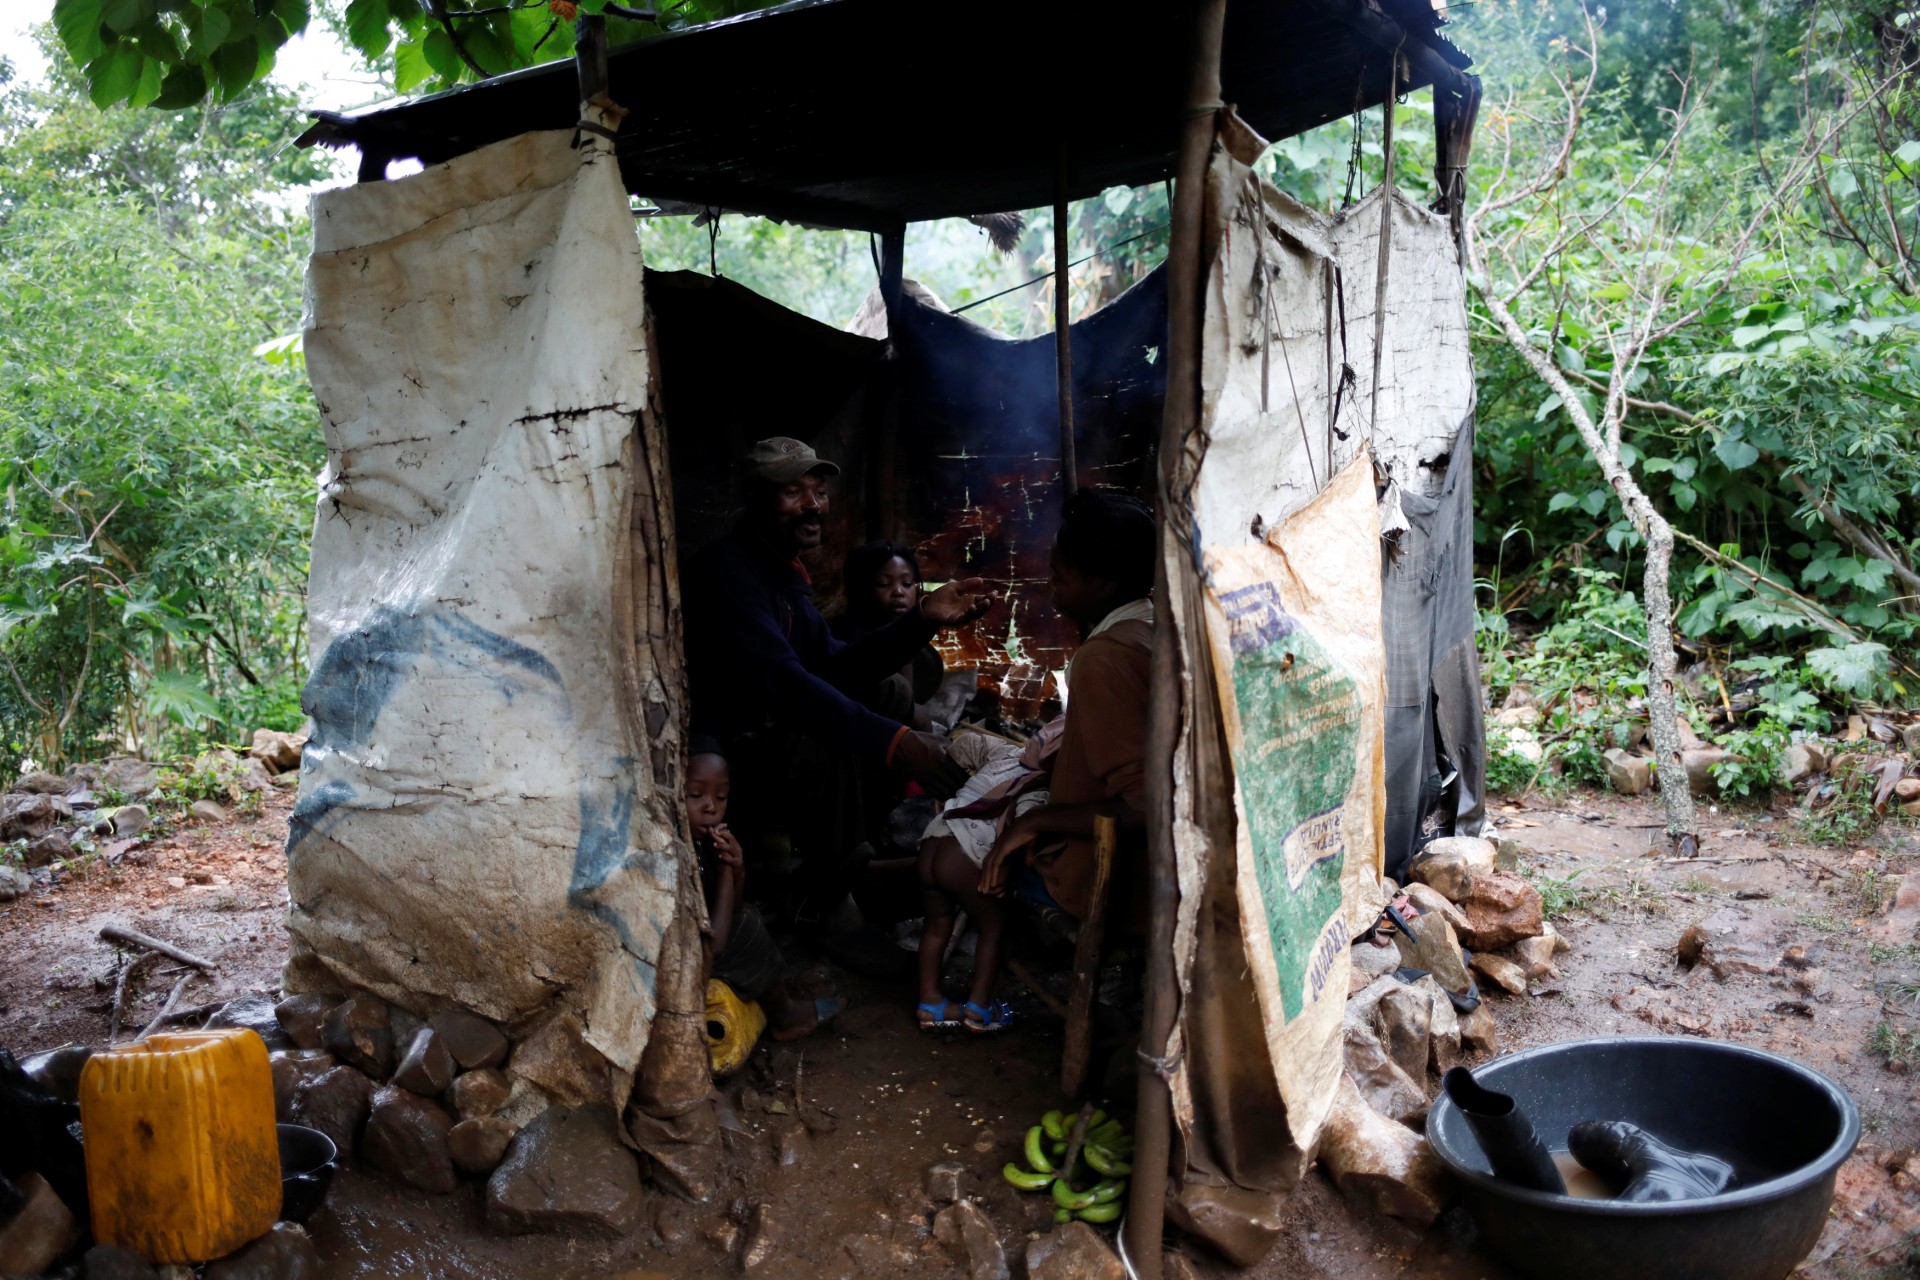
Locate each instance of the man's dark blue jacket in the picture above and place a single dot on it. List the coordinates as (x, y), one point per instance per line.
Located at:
(760, 654)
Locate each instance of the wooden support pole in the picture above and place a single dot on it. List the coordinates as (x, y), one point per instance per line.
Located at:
(590, 55)
(1086, 961)
(893, 266)
(1147, 1198)
(1062, 326)
(884, 520)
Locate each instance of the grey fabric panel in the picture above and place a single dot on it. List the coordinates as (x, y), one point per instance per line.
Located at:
(1435, 723)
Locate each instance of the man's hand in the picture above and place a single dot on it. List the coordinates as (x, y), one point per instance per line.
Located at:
(727, 852)
(957, 603)
(996, 869)
(922, 757)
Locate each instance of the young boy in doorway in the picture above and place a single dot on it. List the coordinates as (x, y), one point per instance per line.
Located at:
(740, 951)
(1102, 580)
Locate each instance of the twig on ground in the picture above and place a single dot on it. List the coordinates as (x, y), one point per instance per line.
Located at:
(167, 1008)
(134, 938)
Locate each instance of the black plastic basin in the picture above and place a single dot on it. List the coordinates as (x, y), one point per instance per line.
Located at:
(306, 1170)
(1785, 1129)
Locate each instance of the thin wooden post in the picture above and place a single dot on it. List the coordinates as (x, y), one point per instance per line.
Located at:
(884, 521)
(590, 55)
(1086, 961)
(1063, 326)
(1147, 1199)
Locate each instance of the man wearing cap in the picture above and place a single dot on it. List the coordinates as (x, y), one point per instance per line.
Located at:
(762, 663)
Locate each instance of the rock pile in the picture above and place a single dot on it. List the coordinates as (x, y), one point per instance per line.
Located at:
(427, 1102)
(109, 805)
(1415, 1011)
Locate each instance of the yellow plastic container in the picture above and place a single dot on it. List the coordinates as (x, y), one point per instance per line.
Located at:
(733, 1027)
(183, 1160)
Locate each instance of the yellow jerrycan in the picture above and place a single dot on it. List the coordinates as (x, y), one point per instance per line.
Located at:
(733, 1027)
(183, 1160)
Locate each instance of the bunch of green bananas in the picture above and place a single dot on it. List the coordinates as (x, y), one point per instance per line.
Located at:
(1104, 1151)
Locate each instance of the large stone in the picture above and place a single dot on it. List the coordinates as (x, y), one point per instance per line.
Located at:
(208, 811)
(1628, 774)
(970, 1236)
(763, 1239)
(359, 1031)
(104, 1262)
(1502, 972)
(1699, 763)
(1801, 761)
(1479, 1033)
(55, 846)
(1074, 1251)
(131, 778)
(682, 1151)
(944, 1182)
(58, 1070)
(1380, 1161)
(1384, 1045)
(278, 751)
(39, 1232)
(14, 883)
(558, 1058)
(406, 1135)
(1535, 955)
(291, 1069)
(40, 782)
(1502, 910)
(472, 1040)
(1429, 899)
(256, 1014)
(480, 1093)
(28, 817)
(1907, 790)
(284, 1253)
(335, 1102)
(1434, 947)
(131, 819)
(479, 1144)
(303, 1018)
(567, 1171)
(427, 1068)
(1443, 1033)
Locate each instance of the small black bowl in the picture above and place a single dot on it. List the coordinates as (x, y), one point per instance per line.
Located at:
(1784, 1128)
(306, 1170)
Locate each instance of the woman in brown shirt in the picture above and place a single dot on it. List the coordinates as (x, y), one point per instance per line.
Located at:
(1102, 579)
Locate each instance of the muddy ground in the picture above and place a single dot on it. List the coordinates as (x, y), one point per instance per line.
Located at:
(885, 1102)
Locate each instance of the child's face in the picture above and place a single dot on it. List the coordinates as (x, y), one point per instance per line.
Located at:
(893, 588)
(706, 793)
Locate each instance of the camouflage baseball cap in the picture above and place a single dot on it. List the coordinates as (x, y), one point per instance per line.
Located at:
(782, 460)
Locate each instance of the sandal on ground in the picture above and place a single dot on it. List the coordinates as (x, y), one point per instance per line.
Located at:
(937, 1019)
(990, 1019)
(825, 1010)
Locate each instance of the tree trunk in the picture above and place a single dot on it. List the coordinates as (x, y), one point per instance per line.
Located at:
(1663, 713)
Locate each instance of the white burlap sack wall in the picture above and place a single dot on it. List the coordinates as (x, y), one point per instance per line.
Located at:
(487, 806)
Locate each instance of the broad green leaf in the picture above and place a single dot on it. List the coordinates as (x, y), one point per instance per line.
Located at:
(440, 54)
(1561, 501)
(183, 87)
(367, 27)
(410, 67)
(234, 63)
(1684, 496)
(1117, 199)
(1547, 406)
(1748, 334)
(152, 76)
(125, 15)
(209, 30)
(1735, 454)
(78, 25)
(1908, 152)
(1841, 182)
(1853, 668)
(114, 75)
(181, 698)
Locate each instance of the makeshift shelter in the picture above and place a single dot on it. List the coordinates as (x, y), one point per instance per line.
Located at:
(524, 428)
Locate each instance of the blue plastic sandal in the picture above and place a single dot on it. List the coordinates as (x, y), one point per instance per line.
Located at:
(939, 1021)
(990, 1020)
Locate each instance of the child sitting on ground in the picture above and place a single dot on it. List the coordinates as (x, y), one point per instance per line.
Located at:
(740, 951)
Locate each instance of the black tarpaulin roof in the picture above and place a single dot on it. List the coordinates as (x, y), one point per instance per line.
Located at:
(870, 113)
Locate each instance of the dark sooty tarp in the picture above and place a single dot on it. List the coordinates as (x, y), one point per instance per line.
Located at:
(979, 463)
(1436, 745)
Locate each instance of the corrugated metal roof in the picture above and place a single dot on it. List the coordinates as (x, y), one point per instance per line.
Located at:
(871, 113)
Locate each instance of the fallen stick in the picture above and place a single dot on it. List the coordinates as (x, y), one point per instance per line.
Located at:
(167, 1008)
(120, 992)
(134, 938)
(1078, 1139)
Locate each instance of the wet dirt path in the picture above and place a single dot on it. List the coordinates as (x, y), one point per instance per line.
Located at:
(846, 1191)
